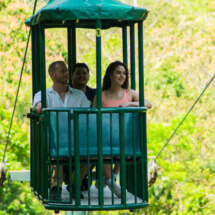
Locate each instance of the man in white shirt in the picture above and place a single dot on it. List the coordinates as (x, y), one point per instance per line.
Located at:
(58, 96)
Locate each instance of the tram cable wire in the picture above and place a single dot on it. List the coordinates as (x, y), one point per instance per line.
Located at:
(23, 64)
(184, 117)
(152, 165)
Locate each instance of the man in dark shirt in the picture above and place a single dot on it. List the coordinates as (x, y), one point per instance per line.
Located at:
(80, 77)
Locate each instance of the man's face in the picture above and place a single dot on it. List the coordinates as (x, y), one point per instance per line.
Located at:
(80, 76)
(60, 75)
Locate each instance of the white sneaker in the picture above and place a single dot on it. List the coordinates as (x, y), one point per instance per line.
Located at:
(116, 188)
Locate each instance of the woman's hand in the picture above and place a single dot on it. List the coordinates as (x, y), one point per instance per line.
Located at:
(130, 104)
(125, 105)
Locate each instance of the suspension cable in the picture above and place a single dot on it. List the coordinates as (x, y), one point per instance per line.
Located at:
(184, 117)
(20, 78)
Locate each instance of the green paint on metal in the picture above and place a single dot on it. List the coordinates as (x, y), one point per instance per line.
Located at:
(42, 64)
(69, 45)
(122, 160)
(88, 159)
(145, 172)
(111, 12)
(141, 72)
(70, 156)
(125, 45)
(98, 67)
(135, 163)
(77, 160)
(58, 157)
(132, 55)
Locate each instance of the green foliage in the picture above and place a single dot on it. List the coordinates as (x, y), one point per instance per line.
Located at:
(19, 200)
(169, 82)
(179, 60)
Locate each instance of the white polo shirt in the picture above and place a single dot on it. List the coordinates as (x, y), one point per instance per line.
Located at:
(73, 98)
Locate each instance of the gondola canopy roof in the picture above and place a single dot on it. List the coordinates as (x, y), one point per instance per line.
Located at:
(85, 12)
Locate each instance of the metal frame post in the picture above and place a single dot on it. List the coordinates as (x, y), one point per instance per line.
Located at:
(124, 45)
(71, 37)
(99, 114)
(43, 149)
(143, 115)
(141, 68)
(132, 55)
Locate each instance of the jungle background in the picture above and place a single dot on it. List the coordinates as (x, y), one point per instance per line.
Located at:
(179, 48)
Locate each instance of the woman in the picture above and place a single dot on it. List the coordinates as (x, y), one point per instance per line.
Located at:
(115, 93)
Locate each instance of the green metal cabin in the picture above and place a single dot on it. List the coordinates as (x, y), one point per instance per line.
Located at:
(75, 136)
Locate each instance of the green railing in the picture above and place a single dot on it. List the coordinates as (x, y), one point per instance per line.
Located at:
(72, 139)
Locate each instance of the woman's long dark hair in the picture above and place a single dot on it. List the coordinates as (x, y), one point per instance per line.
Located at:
(109, 72)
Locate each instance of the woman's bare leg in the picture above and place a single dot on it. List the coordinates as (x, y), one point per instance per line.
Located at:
(116, 169)
(107, 171)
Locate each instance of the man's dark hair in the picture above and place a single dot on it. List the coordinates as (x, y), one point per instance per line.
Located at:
(109, 72)
(52, 66)
(80, 65)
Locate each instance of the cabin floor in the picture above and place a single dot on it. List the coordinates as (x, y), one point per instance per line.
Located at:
(94, 197)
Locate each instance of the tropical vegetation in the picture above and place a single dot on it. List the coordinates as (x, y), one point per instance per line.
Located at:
(179, 47)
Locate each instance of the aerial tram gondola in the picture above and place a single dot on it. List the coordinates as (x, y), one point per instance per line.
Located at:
(89, 136)
(86, 136)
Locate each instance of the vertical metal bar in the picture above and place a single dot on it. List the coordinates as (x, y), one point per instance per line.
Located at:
(32, 141)
(73, 45)
(142, 154)
(141, 67)
(132, 55)
(70, 156)
(58, 189)
(144, 158)
(143, 117)
(77, 159)
(39, 155)
(69, 46)
(71, 36)
(122, 158)
(135, 163)
(40, 158)
(49, 152)
(45, 158)
(38, 77)
(36, 86)
(34, 90)
(88, 158)
(34, 60)
(111, 152)
(99, 115)
(124, 45)
(42, 65)
(44, 167)
(98, 64)
(36, 153)
(100, 158)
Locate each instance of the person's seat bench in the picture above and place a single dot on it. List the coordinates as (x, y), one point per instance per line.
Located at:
(61, 132)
